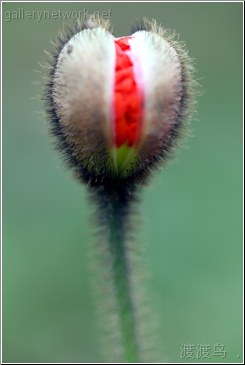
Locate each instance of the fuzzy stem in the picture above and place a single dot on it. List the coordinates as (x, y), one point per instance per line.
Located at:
(116, 214)
(121, 271)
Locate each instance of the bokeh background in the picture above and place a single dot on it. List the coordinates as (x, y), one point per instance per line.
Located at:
(192, 211)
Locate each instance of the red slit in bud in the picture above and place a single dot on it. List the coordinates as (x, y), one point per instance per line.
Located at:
(127, 97)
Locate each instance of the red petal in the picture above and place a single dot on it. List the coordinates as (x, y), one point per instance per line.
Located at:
(127, 97)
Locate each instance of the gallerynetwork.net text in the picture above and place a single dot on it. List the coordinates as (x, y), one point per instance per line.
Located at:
(38, 15)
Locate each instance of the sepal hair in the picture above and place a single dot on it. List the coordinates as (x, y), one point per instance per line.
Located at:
(158, 151)
(79, 163)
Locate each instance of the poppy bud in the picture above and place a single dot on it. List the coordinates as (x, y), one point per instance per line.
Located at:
(118, 105)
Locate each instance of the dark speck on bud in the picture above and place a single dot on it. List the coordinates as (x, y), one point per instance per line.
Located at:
(117, 106)
(69, 48)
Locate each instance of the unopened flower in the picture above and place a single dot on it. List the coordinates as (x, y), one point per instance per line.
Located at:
(118, 105)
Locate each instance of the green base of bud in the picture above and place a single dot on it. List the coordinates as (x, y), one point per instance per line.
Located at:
(124, 158)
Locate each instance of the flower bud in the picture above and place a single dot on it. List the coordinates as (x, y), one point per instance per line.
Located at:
(118, 105)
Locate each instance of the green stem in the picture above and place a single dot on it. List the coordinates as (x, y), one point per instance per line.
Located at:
(117, 220)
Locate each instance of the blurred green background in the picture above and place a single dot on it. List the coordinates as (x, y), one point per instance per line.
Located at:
(192, 211)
